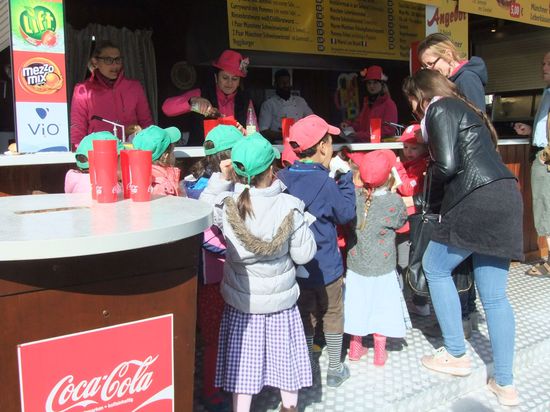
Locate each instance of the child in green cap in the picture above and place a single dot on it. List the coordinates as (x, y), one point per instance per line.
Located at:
(166, 177)
(205, 181)
(261, 338)
(78, 180)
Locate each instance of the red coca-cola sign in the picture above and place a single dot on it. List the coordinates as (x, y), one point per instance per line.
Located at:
(127, 367)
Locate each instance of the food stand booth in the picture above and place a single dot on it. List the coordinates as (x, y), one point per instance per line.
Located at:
(70, 267)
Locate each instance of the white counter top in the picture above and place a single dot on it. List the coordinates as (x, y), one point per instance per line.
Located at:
(65, 225)
(194, 151)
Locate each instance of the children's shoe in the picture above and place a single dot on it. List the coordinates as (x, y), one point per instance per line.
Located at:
(291, 409)
(380, 354)
(336, 378)
(356, 348)
(506, 395)
(443, 361)
(420, 310)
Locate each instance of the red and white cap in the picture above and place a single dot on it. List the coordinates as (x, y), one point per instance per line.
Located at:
(410, 134)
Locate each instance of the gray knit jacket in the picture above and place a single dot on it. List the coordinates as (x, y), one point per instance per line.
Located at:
(372, 251)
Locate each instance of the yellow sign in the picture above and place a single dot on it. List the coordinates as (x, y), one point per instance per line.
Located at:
(536, 12)
(448, 20)
(355, 28)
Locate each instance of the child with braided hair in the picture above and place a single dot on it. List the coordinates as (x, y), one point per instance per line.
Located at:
(373, 302)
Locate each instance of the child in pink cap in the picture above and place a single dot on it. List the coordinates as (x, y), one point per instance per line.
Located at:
(223, 95)
(373, 302)
(331, 202)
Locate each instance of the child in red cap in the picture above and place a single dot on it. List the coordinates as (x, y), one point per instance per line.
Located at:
(331, 202)
(373, 302)
(377, 104)
(411, 171)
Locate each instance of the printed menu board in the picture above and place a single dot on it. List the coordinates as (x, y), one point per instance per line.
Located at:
(40, 83)
(354, 28)
(536, 12)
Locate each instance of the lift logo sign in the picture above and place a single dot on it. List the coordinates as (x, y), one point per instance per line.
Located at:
(118, 368)
(38, 57)
(41, 76)
(38, 26)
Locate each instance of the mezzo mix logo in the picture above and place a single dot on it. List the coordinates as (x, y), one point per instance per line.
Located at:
(37, 26)
(40, 76)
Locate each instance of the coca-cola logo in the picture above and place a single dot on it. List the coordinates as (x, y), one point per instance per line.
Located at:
(126, 379)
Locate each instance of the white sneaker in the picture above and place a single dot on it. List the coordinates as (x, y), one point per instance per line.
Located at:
(420, 310)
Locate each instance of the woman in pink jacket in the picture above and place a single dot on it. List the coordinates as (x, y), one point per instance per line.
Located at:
(377, 104)
(225, 95)
(109, 95)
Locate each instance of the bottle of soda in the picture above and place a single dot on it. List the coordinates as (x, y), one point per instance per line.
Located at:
(251, 120)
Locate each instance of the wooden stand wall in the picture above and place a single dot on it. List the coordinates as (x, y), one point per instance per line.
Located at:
(516, 158)
(47, 298)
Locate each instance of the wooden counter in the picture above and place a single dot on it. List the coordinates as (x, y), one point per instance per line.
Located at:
(68, 265)
(46, 172)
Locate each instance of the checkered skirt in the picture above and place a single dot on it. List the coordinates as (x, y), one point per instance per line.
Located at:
(256, 350)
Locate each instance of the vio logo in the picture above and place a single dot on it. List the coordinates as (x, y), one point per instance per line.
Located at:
(43, 129)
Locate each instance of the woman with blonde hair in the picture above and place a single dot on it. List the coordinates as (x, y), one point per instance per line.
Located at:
(438, 52)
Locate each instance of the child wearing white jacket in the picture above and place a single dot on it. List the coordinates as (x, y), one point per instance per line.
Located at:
(262, 339)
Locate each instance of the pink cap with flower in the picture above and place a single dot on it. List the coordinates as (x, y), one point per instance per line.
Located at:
(374, 73)
(233, 63)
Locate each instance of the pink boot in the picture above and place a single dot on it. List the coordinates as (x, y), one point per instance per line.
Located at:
(380, 354)
(356, 349)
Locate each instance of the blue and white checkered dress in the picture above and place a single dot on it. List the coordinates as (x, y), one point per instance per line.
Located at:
(256, 350)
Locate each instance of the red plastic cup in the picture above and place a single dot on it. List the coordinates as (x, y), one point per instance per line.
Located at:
(105, 146)
(286, 122)
(227, 120)
(141, 162)
(375, 130)
(106, 179)
(91, 171)
(209, 124)
(125, 172)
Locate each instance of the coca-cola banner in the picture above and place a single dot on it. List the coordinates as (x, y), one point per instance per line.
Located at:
(126, 367)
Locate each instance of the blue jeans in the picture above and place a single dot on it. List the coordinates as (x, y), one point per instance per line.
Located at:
(491, 275)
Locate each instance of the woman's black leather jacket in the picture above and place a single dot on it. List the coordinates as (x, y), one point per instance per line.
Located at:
(463, 155)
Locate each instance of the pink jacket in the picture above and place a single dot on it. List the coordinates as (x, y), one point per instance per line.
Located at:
(383, 108)
(124, 103)
(77, 182)
(166, 180)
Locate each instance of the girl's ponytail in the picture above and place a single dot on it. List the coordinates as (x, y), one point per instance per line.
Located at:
(244, 205)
